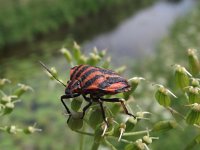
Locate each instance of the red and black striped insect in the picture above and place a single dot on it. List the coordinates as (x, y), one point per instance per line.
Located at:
(93, 83)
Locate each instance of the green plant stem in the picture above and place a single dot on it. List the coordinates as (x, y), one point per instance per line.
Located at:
(173, 111)
(95, 146)
(109, 145)
(136, 133)
(82, 138)
(122, 140)
(85, 133)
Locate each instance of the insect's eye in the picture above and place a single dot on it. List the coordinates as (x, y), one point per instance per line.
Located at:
(78, 83)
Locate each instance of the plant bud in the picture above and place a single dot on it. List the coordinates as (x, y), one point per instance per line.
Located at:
(3, 82)
(75, 123)
(95, 50)
(181, 77)
(106, 63)
(82, 60)
(193, 95)
(130, 124)
(93, 59)
(193, 116)
(164, 125)
(162, 97)
(6, 99)
(31, 129)
(193, 61)
(146, 139)
(95, 118)
(141, 115)
(134, 83)
(140, 145)
(13, 129)
(195, 82)
(76, 51)
(120, 70)
(22, 89)
(67, 54)
(76, 103)
(102, 53)
(8, 108)
(122, 128)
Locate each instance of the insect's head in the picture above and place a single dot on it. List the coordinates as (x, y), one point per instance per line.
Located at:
(73, 87)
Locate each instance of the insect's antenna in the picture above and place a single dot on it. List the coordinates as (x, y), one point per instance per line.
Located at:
(45, 67)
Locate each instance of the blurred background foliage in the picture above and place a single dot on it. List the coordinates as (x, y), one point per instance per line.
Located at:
(30, 23)
(34, 30)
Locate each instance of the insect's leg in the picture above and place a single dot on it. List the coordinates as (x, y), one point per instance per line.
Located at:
(103, 112)
(62, 100)
(122, 103)
(88, 99)
(85, 108)
(67, 97)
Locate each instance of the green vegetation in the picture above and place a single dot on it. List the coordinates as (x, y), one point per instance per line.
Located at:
(174, 120)
(171, 50)
(183, 110)
(123, 133)
(7, 106)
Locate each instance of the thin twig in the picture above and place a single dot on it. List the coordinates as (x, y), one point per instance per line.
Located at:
(109, 144)
(122, 140)
(136, 133)
(173, 111)
(85, 133)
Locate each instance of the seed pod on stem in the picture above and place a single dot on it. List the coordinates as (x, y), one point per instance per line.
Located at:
(130, 123)
(93, 59)
(76, 103)
(134, 83)
(181, 77)
(193, 94)
(75, 121)
(102, 53)
(22, 89)
(193, 116)
(9, 107)
(164, 125)
(8, 98)
(67, 54)
(120, 70)
(106, 63)
(195, 82)
(31, 129)
(137, 145)
(4, 82)
(121, 130)
(76, 51)
(193, 61)
(162, 95)
(13, 129)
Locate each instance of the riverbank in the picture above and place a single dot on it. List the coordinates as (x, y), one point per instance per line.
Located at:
(46, 28)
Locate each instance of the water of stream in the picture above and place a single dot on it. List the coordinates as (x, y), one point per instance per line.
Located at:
(139, 34)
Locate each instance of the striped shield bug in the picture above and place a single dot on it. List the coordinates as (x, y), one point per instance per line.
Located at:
(93, 83)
